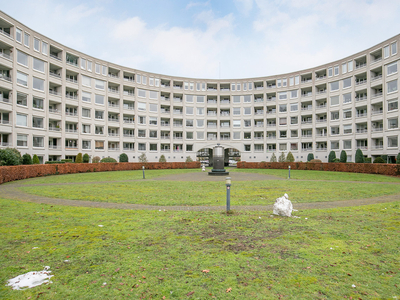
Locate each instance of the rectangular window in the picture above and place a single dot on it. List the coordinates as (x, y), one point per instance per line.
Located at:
(89, 66)
(284, 82)
(347, 129)
(18, 35)
(144, 79)
(344, 68)
(278, 83)
(85, 128)
(236, 123)
(244, 86)
(97, 68)
(151, 81)
(189, 98)
(26, 39)
(392, 68)
(83, 63)
(334, 86)
(296, 80)
(294, 107)
(86, 81)
(153, 95)
(22, 99)
(22, 140)
(294, 121)
(347, 144)
(238, 87)
(394, 48)
(153, 107)
(99, 84)
(347, 114)
(85, 112)
(232, 86)
(336, 70)
(38, 84)
(282, 95)
(22, 79)
(291, 81)
(236, 111)
(99, 145)
(282, 121)
(236, 99)
(38, 65)
(347, 98)
(330, 72)
(38, 141)
(200, 111)
(86, 145)
(189, 110)
(37, 103)
(247, 98)
(393, 141)
(36, 44)
(392, 86)
(200, 135)
(153, 121)
(247, 110)
(200, 99)
(141, 106)
(142, 93)
(22, 120)
(334, 100)
(393, 123)
(350, 66)
(386, 51)
(200, 123)
(99, 99)
(22, 58)
(347, 82)
(44, 48)
(282, 108)
(99, 115)
(86, 97)
(294, 94)
(104, 70)
(393, 104)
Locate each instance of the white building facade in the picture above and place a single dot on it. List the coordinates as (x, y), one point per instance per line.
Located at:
(56, 102)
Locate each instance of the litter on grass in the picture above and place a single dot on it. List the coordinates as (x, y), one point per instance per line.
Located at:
(30, 279)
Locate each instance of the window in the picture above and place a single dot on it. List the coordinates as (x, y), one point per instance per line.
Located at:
(86, 145)
(282, 95)
(293, 94)
(394, 48)
(37, 103)
(294, 120)
(85, 112)
(344, 68)
(294, 107)
(200, 99)
(99, 99)
(38, 84)
(83, 63)
(153, 95)
(334, 115)
(282, 147)
(393, 123)
(236, 123)
(26, 39)
(347, 114)
(36, 44)
(144, 79)
(99, 145)
(346, 83)
(98, 114)
(236, 111)
(386, 52)
(86, 97)
(37, 122)
(189, 135)
(141, 133)
(189, 123)
(236, 99)
(22, 58)
(392, 68)
(392, 86)
(291, 81)
(38, 141)
(336, 70)
(200, 111)
(22, 120)
(189, 110)
(247, 98)
(392, 141)
(99, 84)
(200, 123)
(334, 100)
(141, 106)
(284, 82)
(244, 86)
(44, 48)
(347, 144)
(282, 121)
(18, 35)
(233, 86)
(86, 128)
(330, 72)
(86, 81)
(22, 99)
(247, 110)
(89, 66)
(142, 93)
(282, 108)
(38, 65)
(236, 135)
(200, 135)
(278, 83)
(296, 80)
(347, 129)
(392, 105)
(238, 87)
(22, 140)
(104, 68)
(153, 107)
(347, 98)
(97, 68)
(142, 120)
(334, 85)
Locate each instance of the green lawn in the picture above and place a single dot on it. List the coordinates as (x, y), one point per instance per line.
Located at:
(156, 254)
(213, 193)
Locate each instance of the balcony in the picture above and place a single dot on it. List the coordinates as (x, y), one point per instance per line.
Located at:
(5, 55)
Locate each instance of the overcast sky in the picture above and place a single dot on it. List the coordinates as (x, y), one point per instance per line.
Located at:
(213, 39)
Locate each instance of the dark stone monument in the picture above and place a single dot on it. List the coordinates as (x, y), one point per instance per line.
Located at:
(218, 162)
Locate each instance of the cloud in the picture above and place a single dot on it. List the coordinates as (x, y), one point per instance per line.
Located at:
(244, 6)
(192, 4)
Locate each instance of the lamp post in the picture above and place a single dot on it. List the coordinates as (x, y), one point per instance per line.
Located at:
(228, 193)
(143, 172)
(289, 172)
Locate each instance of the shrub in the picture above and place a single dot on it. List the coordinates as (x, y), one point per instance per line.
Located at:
(123, 158)
(67, 160)
(35, 159)
(108, 160)
(143, 158)
(359, 157)
(282, 157)
(273, 158)
(398, 159)
(367, 160)
(188, 159)
(163, 159)
(54, 162)
(315, 161)
(310, 156)
(79, 159)
(343, 156)
(379, 160)
(336, 160)
(26, 159)
(86, 158)
(332, 156)
(96, 159)
(10, 157)
(290, 157)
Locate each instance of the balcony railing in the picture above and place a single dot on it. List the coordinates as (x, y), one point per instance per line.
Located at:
(55, 56)
(5, 55)
(361, 81)
(5, 33)
(4, 99)
(113, 134)
(7, 78)
(376, 77)
(71, 130)
(73, 80)
(54, 128)
(361, 65)
(73, 97)
(55, 93)
(69, 113)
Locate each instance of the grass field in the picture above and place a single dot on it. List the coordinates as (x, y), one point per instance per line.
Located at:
(337, 253)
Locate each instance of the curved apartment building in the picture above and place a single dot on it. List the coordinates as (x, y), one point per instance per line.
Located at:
(56, 102)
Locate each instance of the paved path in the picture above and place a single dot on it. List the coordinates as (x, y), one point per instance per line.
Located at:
(11, 191)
